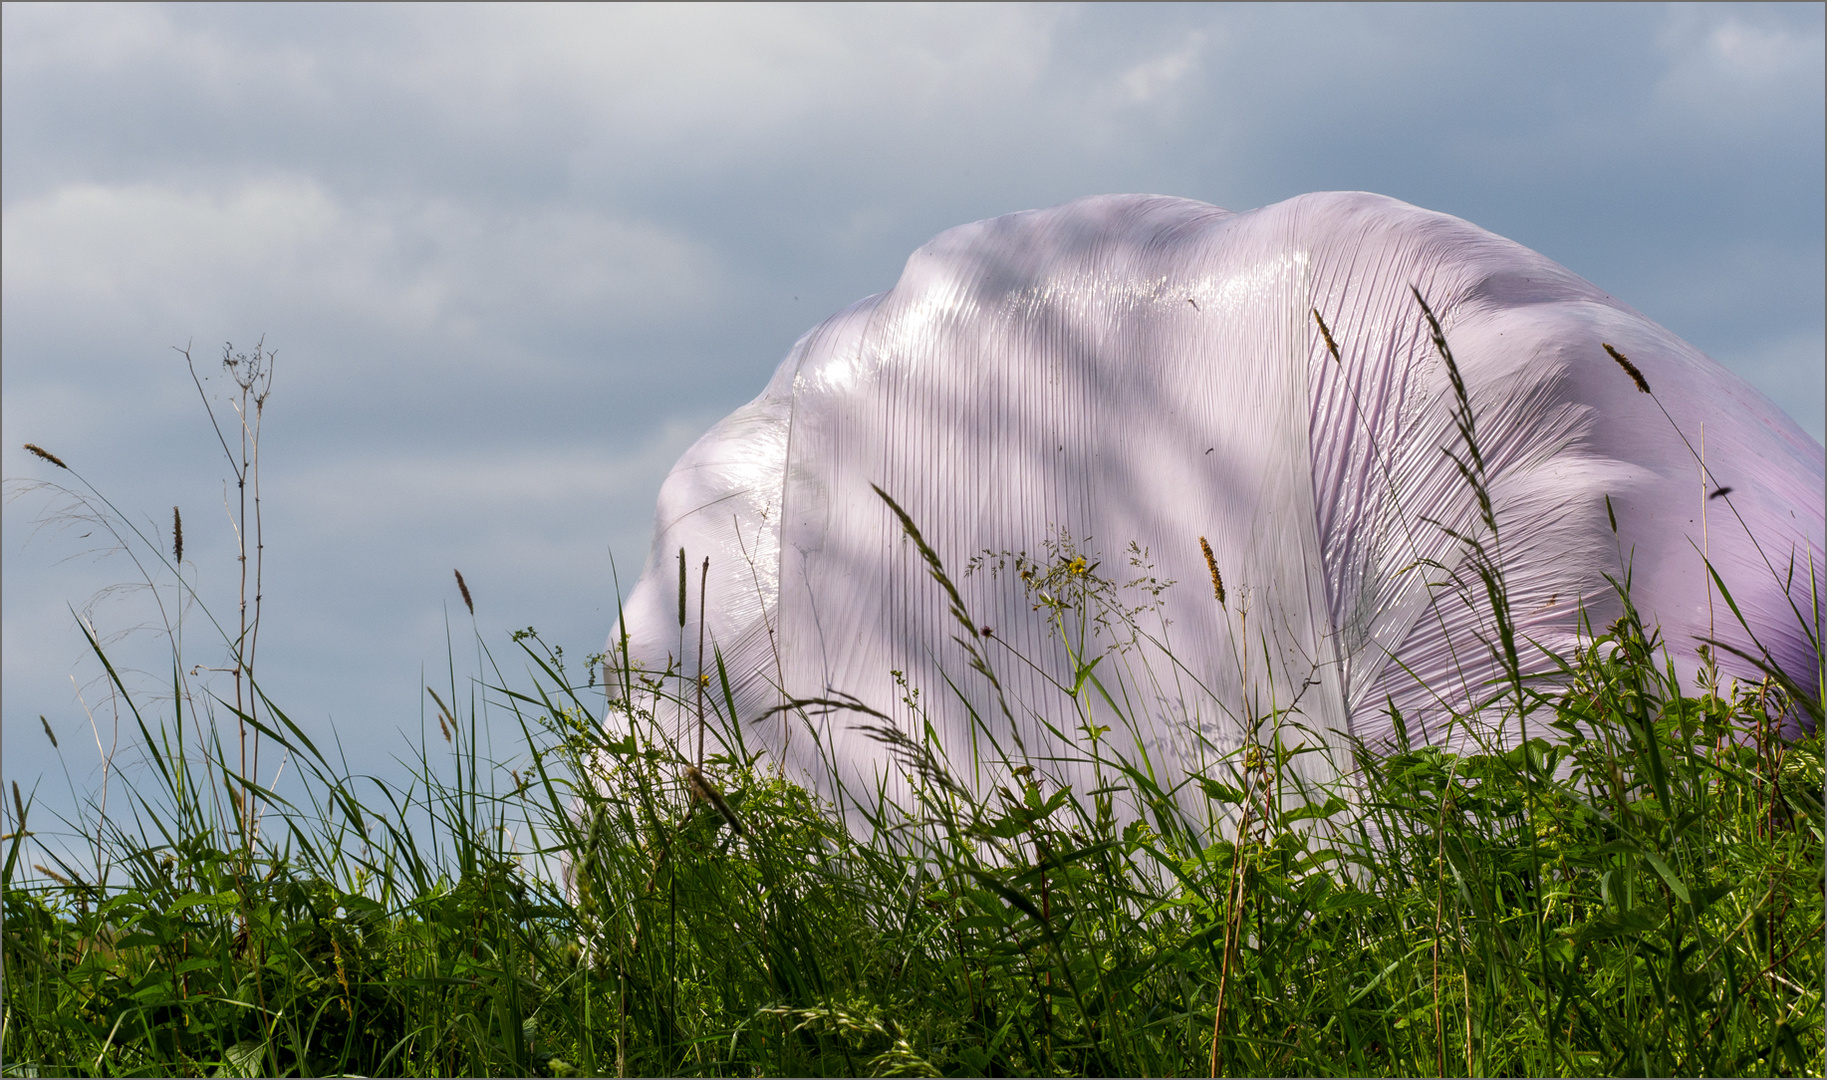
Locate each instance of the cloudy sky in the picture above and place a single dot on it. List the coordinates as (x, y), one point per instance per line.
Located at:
(515, 259)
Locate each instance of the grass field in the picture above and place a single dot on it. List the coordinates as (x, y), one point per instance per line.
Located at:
(1635, 889)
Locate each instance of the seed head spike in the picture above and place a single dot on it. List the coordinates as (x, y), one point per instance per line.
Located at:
(1326, 332)
(1629, 368)
(46, 454)
(1211, 563)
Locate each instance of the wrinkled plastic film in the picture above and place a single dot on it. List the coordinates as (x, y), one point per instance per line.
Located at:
(1134, 369)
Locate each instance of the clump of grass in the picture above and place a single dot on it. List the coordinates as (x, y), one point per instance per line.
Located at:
(1632, 886)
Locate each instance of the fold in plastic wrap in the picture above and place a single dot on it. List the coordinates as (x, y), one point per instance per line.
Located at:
(1148, 370)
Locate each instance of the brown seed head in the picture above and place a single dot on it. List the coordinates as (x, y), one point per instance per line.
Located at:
(1326, 332)
(177, 536)
(1629, 368)
(54, 876)
(1211, 563)
(46, 454)
(703, 791)
(464, 589)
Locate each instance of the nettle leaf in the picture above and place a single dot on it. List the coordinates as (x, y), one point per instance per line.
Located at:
(1316, 810)
(1674, 883)
(1631, 923)
(1219, 792)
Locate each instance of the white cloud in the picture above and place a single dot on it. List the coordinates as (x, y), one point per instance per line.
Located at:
(160, 50)
(1163, 74)
(285, 250)
(708, 82)
(492, 488)
(747, 73)
(132, 252)
(1738, 70)
(93, 38)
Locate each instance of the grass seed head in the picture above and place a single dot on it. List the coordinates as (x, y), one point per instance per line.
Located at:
(1440, 345)
(463, 588)
(1211, 563)
(54, 875)
(1326, 332)
(177, 536)
(1629, 368)
(702, 790)
(47, 455)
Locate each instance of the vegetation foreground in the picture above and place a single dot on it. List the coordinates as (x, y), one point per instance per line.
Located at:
(1629, 882)
(1639, 890)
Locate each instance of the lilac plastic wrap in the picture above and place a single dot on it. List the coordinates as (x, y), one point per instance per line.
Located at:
(1146, 369)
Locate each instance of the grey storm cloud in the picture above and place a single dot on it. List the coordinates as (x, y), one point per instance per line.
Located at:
(515, 259)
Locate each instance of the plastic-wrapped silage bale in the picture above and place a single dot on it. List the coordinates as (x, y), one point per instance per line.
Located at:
(1148, 370)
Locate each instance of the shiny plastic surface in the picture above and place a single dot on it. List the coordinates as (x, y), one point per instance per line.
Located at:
(1147, 369)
